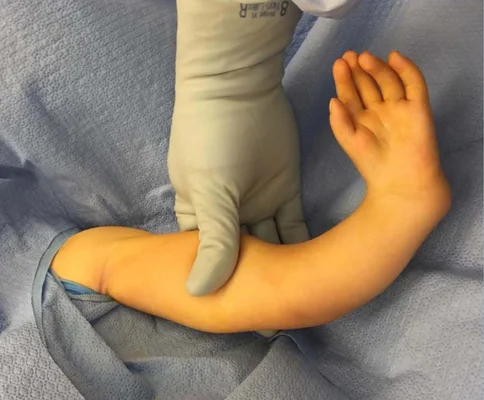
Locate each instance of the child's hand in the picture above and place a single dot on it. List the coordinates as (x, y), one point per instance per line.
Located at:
(382, 120)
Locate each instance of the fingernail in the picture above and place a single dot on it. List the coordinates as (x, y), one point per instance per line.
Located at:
(331, 106)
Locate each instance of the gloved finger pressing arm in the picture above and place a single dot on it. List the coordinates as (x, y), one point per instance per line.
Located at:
(218, 222)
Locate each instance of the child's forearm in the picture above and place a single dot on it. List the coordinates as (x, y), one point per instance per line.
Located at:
(359, 258)
(280, 287)
(148, 274)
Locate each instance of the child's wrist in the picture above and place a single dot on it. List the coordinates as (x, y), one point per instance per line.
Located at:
(429, 206)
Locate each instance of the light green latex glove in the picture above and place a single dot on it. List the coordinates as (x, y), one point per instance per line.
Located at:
(234, 150)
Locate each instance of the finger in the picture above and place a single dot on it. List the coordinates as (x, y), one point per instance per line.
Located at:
(411, 76)
(391, 86)
(340, 120)
(265, 230)
(290, 222)
(367, 88)
(345, 86)
(218, 251)
(353, 139)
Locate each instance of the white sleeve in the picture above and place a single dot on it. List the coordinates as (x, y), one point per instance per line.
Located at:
(334, 9)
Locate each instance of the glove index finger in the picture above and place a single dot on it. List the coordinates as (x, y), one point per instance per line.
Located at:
(218, 251)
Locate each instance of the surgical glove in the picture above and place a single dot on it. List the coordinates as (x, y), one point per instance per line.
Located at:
(234, 149)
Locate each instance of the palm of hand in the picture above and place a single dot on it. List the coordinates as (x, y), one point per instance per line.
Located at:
(384, 123)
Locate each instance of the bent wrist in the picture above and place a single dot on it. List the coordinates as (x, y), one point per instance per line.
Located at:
(428, 206)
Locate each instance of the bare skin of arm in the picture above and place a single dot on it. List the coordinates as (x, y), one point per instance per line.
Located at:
(382, 119)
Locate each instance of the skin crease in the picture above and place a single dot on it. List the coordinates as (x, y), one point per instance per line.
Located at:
(382, 119)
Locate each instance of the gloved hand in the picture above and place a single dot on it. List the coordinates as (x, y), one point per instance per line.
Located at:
(234, 149)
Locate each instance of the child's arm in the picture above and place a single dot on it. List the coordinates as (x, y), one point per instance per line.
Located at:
(389, 136)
